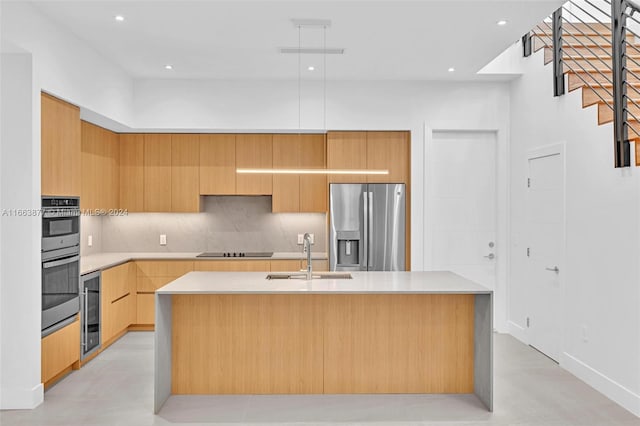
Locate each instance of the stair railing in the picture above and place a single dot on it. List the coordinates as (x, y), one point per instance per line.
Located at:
(576, 35)
(623, 11)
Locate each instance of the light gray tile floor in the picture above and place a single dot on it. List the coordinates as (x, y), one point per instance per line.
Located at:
(116, 388)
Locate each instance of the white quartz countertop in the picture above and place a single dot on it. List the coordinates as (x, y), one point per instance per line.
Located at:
(363, 282)
(100, 261)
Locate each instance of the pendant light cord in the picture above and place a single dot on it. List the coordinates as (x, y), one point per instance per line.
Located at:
(324, 78)
(299, 75)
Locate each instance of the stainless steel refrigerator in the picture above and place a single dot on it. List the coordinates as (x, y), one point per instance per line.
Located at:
(367, 227)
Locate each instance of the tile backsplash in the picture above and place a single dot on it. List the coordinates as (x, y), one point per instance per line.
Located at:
(227, 223)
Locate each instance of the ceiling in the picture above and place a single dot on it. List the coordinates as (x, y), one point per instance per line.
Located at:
(383, 40)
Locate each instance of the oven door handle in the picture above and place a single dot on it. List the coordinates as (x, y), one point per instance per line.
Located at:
(85, 320)
(52, 214)
(60, 262)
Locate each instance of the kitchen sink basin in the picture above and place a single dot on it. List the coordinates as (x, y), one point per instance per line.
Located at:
(303, 276)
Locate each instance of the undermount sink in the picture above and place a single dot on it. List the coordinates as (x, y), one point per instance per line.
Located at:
(303, 276)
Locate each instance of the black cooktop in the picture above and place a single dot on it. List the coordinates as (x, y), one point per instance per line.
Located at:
(236, 254)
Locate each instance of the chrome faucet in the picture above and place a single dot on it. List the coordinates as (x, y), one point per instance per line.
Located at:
(307, 249)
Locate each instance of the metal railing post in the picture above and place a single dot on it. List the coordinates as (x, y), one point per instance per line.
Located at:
(619, 68)
(527, 45)
(558, 72)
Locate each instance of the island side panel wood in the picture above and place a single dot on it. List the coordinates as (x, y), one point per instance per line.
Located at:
(398, 344)
(246, 344)
(354, 343)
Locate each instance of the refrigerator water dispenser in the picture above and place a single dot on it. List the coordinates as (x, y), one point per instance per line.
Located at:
(348, 248)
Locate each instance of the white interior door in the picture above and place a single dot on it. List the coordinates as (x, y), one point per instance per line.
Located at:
(462, 204)
(545, 223)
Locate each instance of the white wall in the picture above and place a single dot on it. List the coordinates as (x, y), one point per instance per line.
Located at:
(20, 294)
(67, 67)
(601, 274)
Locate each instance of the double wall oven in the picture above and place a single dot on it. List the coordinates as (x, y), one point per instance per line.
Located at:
(60, 262)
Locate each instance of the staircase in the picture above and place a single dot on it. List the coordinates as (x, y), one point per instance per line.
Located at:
(587, 65)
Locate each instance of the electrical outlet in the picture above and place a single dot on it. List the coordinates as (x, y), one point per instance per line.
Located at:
(90, 240)
(301, 239)
(163, 239)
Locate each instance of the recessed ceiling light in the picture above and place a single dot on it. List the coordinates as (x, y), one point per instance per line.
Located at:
(168, 67)
(119, 18)
(452, 69)
(502, 22)
(311, 68)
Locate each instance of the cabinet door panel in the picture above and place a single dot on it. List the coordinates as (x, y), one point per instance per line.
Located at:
(286, 188)
(132, 172)
(347, 150)
(254, 151)
(157, 173)
(185, 173)
(59, 350)
(313, 188)
(100, 183)
(60, 147)
(217, 164)
(146, 308)
(388, 150)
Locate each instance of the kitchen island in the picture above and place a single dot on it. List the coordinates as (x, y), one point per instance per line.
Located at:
(380, 332)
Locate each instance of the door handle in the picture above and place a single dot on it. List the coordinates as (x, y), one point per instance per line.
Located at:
(490, 256)
(554, 269)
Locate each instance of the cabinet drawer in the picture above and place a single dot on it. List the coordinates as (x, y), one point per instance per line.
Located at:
(285, 265)
(116, 282)
(233, 265)
(60, 350)
(151, 284)
(164, 268)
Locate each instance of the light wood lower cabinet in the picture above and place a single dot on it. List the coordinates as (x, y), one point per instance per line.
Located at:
(118, 301)
(60, 352)
(153, 274)
(232, 265)
(150, 276)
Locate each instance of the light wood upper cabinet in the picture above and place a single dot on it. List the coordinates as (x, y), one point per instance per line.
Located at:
(100, 185)
(254, 151)
(286, 188)
(217, 164)
(157, 173)
(132, 172)
(60, 147)
(299, 193)
(185, 173)
(313, 188)
(347, 150)
(369, 150)
(388, 150)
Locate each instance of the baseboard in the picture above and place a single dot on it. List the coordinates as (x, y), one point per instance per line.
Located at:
(21, 399)
(610, 388)
(518, 332)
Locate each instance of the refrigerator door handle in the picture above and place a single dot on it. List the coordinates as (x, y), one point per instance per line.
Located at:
(365, 233)
(370, 230)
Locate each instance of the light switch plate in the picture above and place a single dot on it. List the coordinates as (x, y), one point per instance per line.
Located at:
(301, 239)
(163, 239)
(90, 240)
(313, 239)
